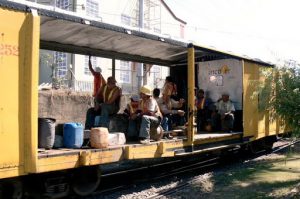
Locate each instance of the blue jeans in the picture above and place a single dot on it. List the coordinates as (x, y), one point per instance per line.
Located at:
(148, 122)
(90, 117)
(166, 122)
(224, 124)
(106, 111)
(132, 130)
(227, 122)
(178, 120)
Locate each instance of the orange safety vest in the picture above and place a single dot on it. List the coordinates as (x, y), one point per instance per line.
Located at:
(108, 95)
(200, 103)
(133, 107)
(144, 106)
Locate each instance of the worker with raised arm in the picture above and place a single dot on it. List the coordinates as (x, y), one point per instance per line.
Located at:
(99, 80)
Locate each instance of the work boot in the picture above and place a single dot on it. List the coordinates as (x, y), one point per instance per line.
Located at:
(145, 141)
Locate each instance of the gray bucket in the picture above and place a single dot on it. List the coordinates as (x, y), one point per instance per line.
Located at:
(46, 132)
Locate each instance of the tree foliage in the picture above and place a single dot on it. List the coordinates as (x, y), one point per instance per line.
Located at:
(48, 59)
(280, 92)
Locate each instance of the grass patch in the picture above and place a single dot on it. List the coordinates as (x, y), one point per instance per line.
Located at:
(275, 178)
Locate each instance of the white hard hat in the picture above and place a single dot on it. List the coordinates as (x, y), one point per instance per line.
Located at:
(225, 93)
(98, 69)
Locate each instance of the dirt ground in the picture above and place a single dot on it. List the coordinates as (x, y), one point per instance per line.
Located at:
(270, 176)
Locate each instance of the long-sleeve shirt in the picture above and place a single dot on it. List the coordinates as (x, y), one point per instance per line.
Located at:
(225, 107)
(99, 81)
(170, 88)
(167, 108)
(150, 105)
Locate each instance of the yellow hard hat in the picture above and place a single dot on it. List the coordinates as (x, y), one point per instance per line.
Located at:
(146, 90)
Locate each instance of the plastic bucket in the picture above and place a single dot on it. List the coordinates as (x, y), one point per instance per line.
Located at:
(46, 132)
(99, 137)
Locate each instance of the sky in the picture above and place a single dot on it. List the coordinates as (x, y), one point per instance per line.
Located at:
(264, 29)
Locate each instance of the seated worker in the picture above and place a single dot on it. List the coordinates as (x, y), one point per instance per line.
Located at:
(224, 112)
(156, 93)
(203, 113)
(170, 87)
(91, 115)
(131, 111)
(167, 106)
(109, 98)
(149, 114)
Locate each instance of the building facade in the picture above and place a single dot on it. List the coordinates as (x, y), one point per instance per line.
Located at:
(147, 15)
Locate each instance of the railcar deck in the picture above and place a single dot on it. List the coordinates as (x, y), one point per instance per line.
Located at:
(205, 135)
(200, 138)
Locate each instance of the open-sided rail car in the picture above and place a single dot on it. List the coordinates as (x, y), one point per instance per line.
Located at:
(27, 28)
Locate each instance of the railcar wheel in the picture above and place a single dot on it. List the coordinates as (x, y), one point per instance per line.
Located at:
(1, 191)
(18, 190)
(11, 189)
(255, 147)
(263, 144)
(268, 142)
(86, 180)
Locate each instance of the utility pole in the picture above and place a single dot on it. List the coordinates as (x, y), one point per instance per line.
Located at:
(141, 26)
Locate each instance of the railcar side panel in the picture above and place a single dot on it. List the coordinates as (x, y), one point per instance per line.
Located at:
(250, 101)
(267, 118)
(19, 52)
(257, 123)
(57, 163)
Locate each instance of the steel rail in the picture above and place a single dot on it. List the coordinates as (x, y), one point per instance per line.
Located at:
(182, 185)
(172, 172)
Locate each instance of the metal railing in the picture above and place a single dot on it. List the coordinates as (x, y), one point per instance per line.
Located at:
(85, 86)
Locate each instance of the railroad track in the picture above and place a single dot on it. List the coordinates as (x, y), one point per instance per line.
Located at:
(204, 165)
(160, 174)
(183, 185)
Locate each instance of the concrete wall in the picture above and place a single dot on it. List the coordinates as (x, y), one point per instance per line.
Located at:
(64, 106)
(67, 106)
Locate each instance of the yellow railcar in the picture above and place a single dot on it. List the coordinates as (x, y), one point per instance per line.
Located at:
(27, 28)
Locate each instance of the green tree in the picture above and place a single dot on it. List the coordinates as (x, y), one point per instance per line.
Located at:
(280, 92)
(48, 58)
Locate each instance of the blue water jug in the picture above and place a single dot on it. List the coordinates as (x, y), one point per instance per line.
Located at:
(73, 135)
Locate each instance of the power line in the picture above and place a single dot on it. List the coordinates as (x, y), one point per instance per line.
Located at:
(125, 5)
(196, 28)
